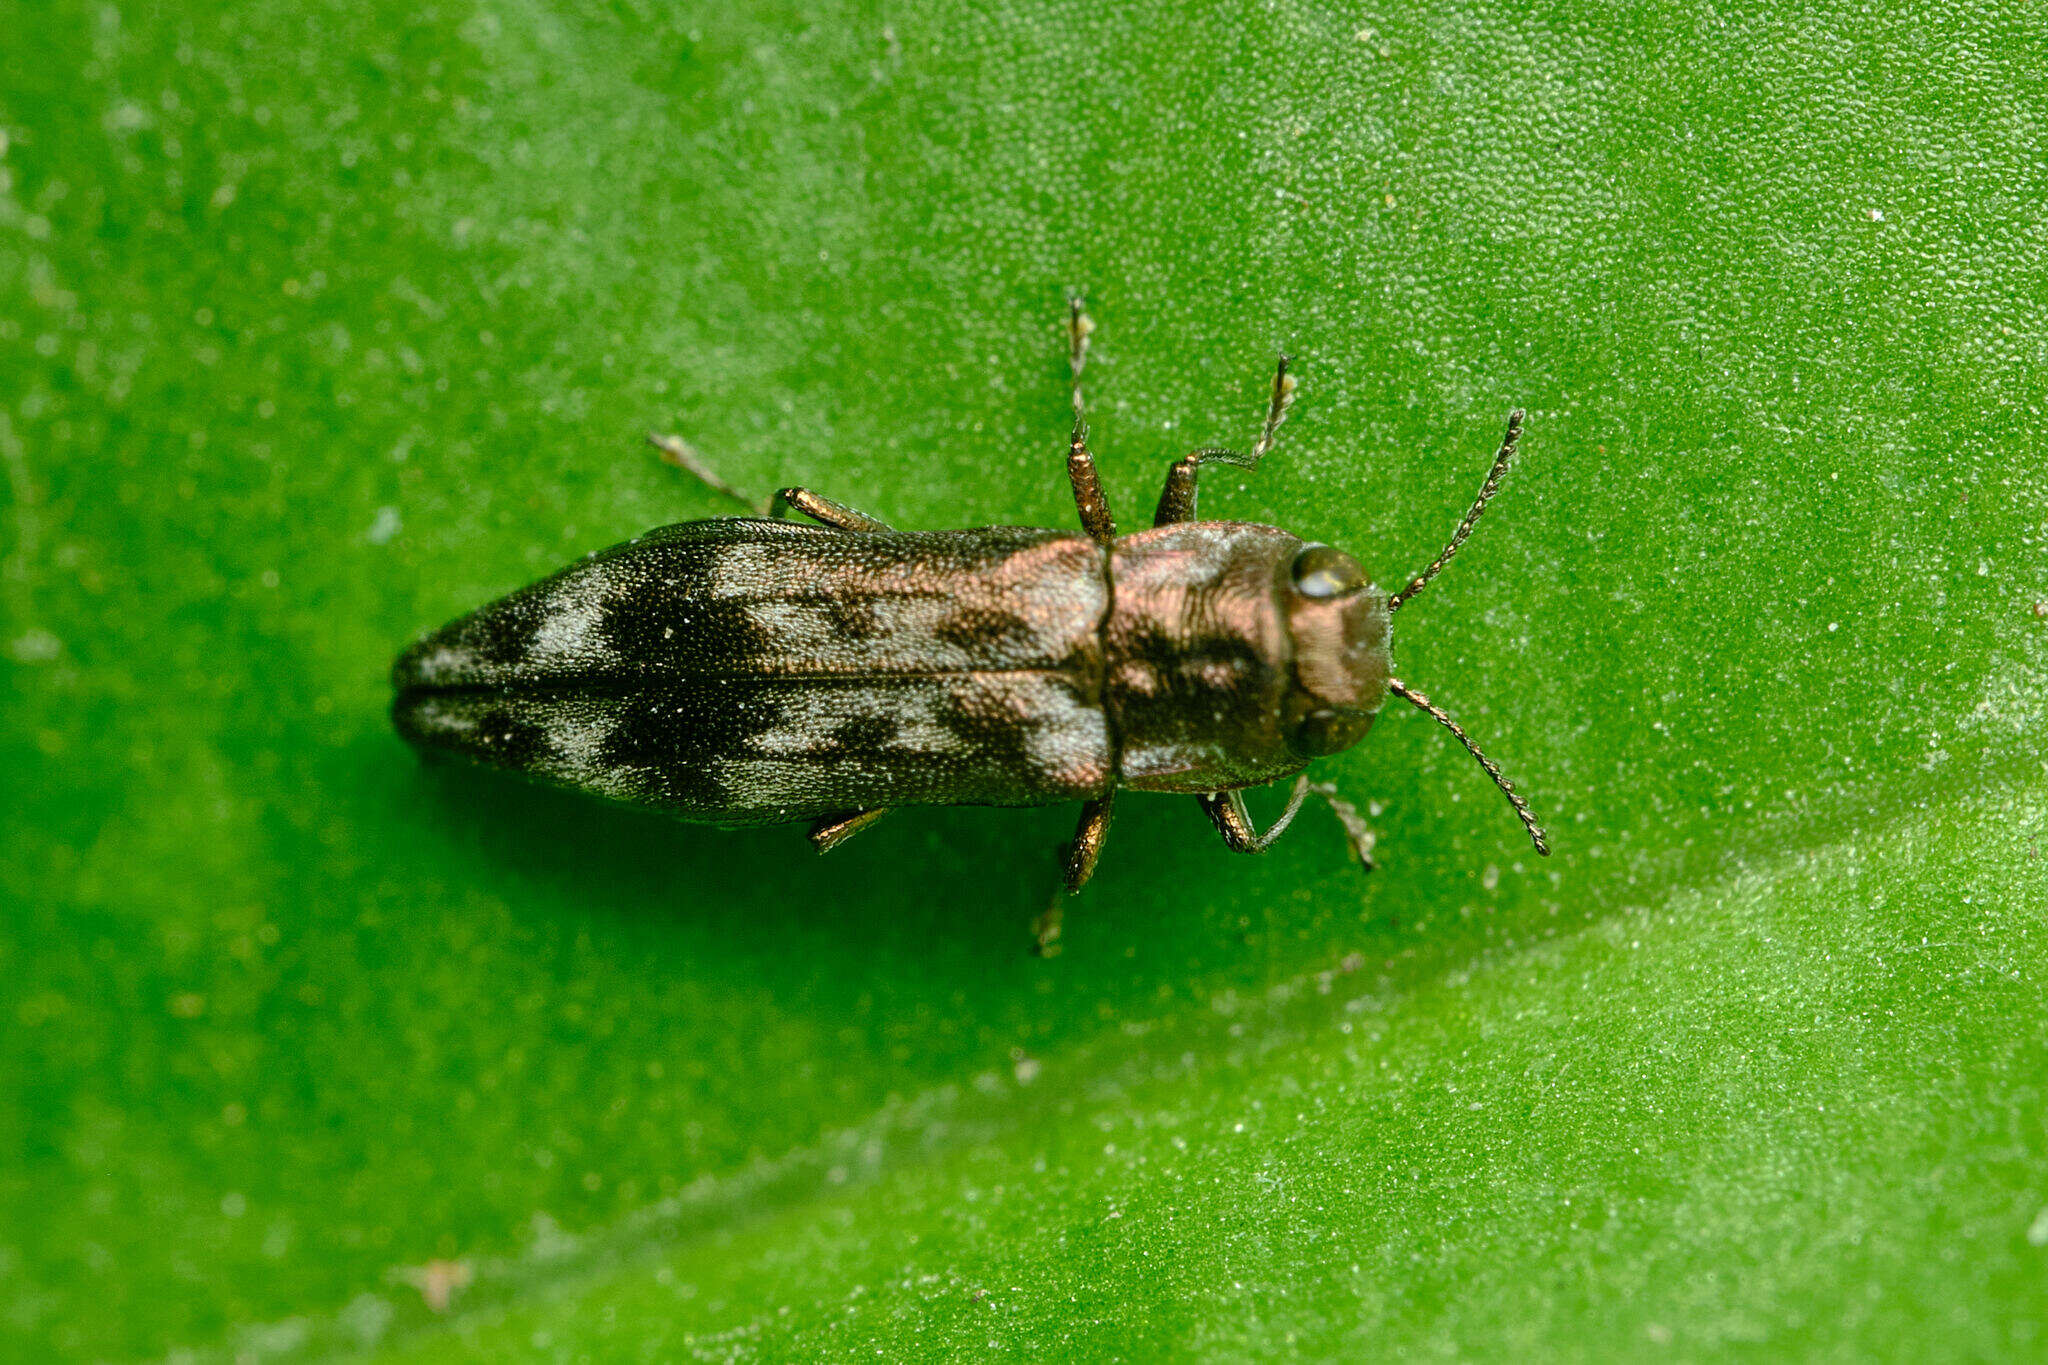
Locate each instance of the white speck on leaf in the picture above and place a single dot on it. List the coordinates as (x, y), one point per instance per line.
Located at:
(37, 646)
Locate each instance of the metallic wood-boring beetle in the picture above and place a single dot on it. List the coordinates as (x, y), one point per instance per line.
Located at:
(754, 670)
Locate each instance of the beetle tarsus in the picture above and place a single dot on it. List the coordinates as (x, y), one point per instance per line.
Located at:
(1356, 832)
(684, 456)
(1276, 409)
(1045, 928)
(1089, 499)
(1079, 328)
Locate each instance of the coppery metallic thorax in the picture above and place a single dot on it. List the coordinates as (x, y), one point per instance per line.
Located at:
(1199, 660)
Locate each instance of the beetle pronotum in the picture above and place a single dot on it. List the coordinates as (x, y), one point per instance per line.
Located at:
(754, 670)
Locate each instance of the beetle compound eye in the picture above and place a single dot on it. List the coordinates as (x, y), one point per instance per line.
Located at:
(1325, 571)
(1325, 732)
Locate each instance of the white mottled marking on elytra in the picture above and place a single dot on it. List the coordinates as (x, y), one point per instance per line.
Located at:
(797, 628)
(1064, 741)
(576, 738)
(435, 715)
(741, 570)
(569, 630)
(444, 662)
(802, 723)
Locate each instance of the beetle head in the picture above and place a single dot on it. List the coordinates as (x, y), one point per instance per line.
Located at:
(1339, 622)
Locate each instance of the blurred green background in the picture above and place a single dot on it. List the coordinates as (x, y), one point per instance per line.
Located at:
(321, 323)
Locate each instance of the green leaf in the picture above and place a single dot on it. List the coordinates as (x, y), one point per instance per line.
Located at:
(322, 324)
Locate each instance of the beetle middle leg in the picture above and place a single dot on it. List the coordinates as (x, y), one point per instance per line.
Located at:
(1177, 499)
(1077, 859)
(1089, 499)
(1077, 865)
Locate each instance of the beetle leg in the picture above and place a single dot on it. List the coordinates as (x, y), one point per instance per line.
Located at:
(834, 830)
(1077, 865)
(1089, 498)
(1226, 810)
(1359, 834)
(820, 508)
(680, 453)
(1045, 927)
(1077, 859)
(1177, 499)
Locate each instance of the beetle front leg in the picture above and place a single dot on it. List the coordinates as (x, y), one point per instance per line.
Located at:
(1177, 499)
(1226, 811)
(822, 509)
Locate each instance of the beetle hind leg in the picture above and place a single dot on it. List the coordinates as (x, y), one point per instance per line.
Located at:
(834, 830)
(684, 456)
(822, 509)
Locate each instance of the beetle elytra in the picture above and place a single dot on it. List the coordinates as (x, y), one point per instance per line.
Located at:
(756, 670)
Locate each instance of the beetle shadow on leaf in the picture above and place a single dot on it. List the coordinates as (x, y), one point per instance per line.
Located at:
(930, 902)
(923, 885)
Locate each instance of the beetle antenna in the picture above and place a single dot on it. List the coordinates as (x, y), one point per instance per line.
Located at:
(1486, 492)
(1507, 788)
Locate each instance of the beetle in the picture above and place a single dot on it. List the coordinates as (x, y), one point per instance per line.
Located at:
(756, 670)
